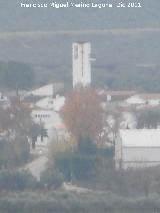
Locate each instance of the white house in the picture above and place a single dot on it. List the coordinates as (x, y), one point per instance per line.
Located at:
(135, 100)
(144, 99)
(137, 148)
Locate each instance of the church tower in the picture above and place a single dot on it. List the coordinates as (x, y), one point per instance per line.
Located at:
(81, 63)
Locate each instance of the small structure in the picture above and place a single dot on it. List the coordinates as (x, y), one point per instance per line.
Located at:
(137, 148)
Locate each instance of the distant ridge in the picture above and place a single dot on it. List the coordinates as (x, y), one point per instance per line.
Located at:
(114, 31)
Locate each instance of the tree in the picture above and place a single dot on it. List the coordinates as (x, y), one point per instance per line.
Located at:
(51, 178)
(16, 121)
(14, 152)
(16, 75)
(5, 120)
(23, 124)
(36, 130)
(20, 117)
(112, 125)
(83, 114)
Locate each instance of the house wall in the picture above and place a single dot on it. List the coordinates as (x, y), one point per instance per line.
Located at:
(49, 119)
(44, 116)
(140, 156)
(135, 156)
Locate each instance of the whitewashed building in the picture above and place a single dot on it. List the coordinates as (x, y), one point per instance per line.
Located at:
(47, 90)
(81, 63)
(46, 111)
(137, 148)
(51, 103)
(51, 121)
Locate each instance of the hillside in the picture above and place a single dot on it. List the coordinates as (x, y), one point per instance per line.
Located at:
(125, 42)
(15, 18)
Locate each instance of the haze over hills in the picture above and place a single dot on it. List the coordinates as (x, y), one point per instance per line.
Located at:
(15, 18)
(125, 41)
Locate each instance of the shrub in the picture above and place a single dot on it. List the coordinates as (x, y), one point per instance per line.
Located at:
(16, 180)
(87, 146)
(14, 153)
(85, 166)
(77, 165)
(6, 154)
(106, 152)
(51, 178)
(21, 150)
(63, 162)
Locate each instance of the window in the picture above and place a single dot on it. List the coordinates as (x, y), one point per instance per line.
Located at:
(76, 52)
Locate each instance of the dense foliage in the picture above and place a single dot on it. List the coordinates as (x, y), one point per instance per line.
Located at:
(14, 153)
(82, 114)
(77, 166)
(51, 179)
(83, 163)
(12, 180)
(16, 75)
(66, 202)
